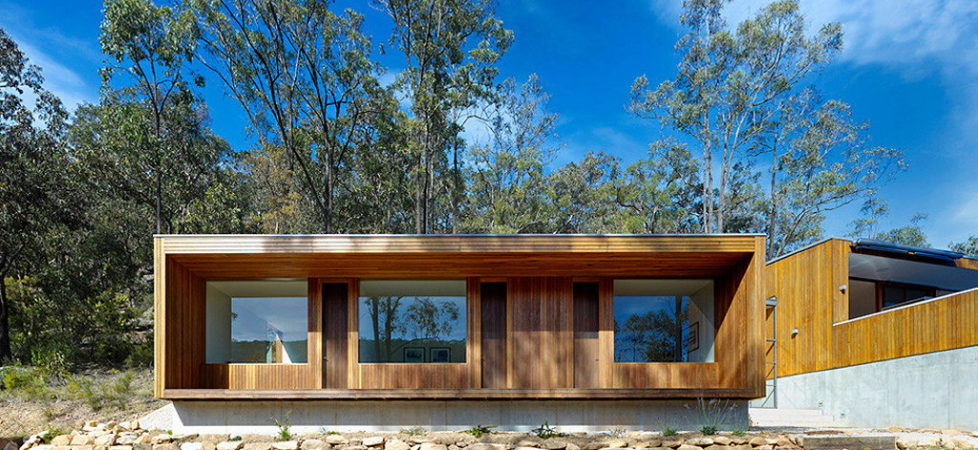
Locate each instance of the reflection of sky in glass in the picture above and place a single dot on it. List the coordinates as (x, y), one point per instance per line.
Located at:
(407, 329)
(252, 318)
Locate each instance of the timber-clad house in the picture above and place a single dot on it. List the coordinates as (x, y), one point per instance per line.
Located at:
(585, 322)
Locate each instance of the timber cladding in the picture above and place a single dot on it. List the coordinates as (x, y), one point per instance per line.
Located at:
(808, 285)
(539, 320)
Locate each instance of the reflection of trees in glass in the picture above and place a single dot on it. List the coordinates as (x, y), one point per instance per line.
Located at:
(655, 336)
(429, 319)
(424, 319)
(385, 321)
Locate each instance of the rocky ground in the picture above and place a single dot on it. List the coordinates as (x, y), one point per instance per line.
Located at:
(130, 436)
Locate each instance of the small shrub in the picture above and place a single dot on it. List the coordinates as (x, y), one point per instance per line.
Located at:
(284, 428)
(52, 432)
(618, 432)
(414, 431)
(479, 430)
(100, 393)
(546, 431)
(708, 430)
(27, 383)
(712, 413)
(738, 433)
(669, 431)
(234, 438)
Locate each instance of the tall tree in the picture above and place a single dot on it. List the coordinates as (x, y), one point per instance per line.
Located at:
(450, 50)
(661, 193)
(35, 196)
(304, 78)
(151, 45)
(506, 175)
(728, 84)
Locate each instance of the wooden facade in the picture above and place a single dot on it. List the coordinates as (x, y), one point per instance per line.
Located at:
(539, 320)
(812, 298)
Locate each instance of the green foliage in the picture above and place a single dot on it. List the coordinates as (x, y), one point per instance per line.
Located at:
(284, 427)
(27, 383)
(414, 431)
(708, 430)
(712, 413)
(114, 392)
(738, 433)
(546, 431)
(478, 431)
(969, 246)
(669, 431)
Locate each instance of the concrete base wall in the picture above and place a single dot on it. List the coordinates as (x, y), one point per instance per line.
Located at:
(935, 390)
(383, 416)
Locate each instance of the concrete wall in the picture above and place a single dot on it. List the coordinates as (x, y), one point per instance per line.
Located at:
(935, 390)
(316, 416)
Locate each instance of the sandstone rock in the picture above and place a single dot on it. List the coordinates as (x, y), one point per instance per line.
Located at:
(165, 447)
(717, 447)
(286, 445)
(615, 444)
(764, 447)
(314, 444)
(483, 446)
(689, 447)
(784, 442)
(551, 444)
(61, 441)
(161, 439)
(396, 444)
(432, 446)
(672, 443)
(120, 447)
(230, 445)
(740, 447)
(647, 444)
(757, 441)
(722, 440)
(527, 443)
(257, 446)
(353, 447)
(525, 448)
(126, 438)
(191, 446)
(336, 439)
(700, 441)
(44, 447)
(104, 440)
(82, 439)
(572, 446)
(738, 440)
(373, 441)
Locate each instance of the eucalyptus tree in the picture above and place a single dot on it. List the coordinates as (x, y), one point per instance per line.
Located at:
(660, 193)
(818, 161)
(450, 50)
(506, 175)
(35, 193)
(303, 77)
(728, 84)
(968, 246)
(150, 46)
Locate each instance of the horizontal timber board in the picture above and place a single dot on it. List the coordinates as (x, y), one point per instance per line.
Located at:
(452, 394)
(454, 243)
(441, 265)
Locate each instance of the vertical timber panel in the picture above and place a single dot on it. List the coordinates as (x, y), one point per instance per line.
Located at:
(586, 348)
(541, 332)
(335, 311)
(494, 361)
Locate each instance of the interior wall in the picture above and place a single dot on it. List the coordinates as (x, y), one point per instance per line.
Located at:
(702, 310)
(218, 320)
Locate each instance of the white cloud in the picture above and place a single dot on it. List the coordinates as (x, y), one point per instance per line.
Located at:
(60, 80)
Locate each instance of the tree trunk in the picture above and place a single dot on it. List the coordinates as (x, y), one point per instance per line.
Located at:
(5, 350)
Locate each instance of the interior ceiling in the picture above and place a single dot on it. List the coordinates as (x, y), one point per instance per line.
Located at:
(262, 288)
(881, 268)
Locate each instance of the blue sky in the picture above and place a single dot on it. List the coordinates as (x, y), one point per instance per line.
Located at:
(909, 68)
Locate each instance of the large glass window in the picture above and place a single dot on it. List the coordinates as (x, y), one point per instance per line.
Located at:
(257, 322)
(663, 320)
(412, 321)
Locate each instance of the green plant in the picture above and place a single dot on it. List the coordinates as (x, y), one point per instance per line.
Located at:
(617, 432)
(479, 430)
(52, 432)
(546, 431)
(712, 413)
(414, 431)
(27, 383)
(708, 430)
(234, 438)
(284, 427)
(739, 433)
(98, 393)
(669, 431)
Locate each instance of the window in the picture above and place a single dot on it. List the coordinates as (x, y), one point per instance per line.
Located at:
(265, 322)
(414, 321)
(663, 321)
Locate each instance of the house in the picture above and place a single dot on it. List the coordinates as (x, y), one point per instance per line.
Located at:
(875, 334)
(341, 332)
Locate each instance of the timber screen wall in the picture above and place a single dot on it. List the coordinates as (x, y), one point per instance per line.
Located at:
(454, 317)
